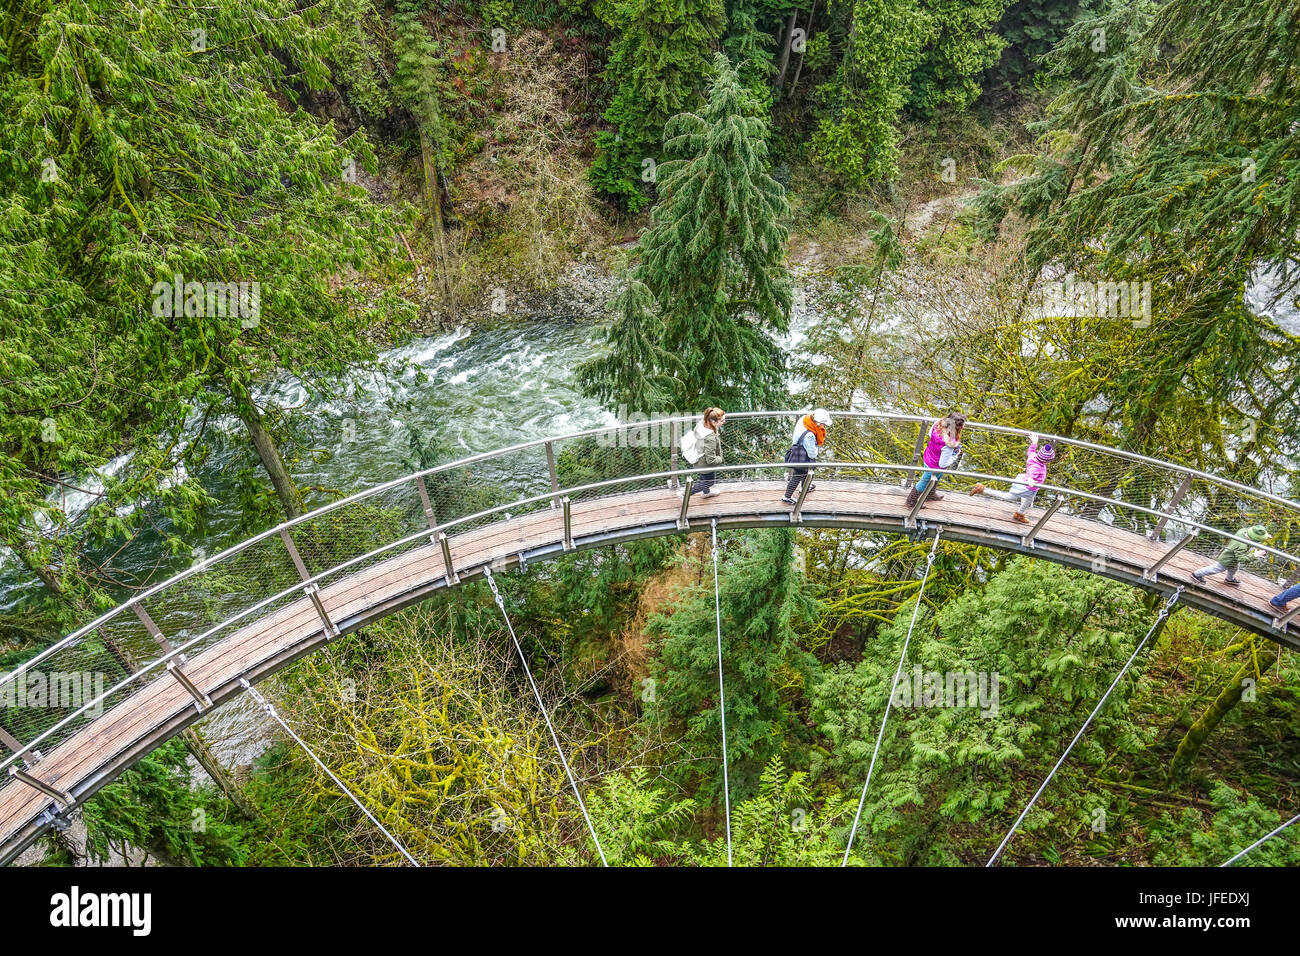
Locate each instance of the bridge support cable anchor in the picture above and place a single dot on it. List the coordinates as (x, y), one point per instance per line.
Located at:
(1028, 539)
(682, 523)
(1261, 840)
(567, 505)
(893, 688)
(546, 715)
(722, 698)
(796, 514)
(311, 590)
(1150, 573)
(1164, 613)
(275, 715)
(448, 567)
(36, 783)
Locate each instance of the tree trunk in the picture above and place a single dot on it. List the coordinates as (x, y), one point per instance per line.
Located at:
(193, 742)
(269, 453)
(1190, 746)
(785, 51)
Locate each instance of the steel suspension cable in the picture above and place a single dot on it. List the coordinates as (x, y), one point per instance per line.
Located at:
(902, 659)
(1164, 613)
(722, 701)
(270, 709)
(487, 572)
(1264, 839)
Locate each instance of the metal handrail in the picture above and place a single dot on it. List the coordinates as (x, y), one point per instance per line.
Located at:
(72, 639)
(429, 533)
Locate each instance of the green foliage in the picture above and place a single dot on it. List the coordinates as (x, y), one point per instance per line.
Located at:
(783, 825)
(657, 65)
(1054, 637)
(963, 45)
(1030, 28)
(714, 253)
(761, 599)
(856, 137)
(153, 806)
(636, 821)
(1237, 822)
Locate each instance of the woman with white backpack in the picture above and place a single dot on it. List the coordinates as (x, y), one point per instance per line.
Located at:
(702, 446)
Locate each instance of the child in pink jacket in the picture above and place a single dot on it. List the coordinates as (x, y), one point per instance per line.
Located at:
(1035, 474)
(1026, 484)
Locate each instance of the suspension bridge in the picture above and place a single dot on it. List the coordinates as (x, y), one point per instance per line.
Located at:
(174, 651)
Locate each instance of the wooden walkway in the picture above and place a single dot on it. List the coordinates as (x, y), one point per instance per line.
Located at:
(161, 708)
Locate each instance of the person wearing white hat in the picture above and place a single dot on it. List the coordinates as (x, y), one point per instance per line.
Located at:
(805, 447)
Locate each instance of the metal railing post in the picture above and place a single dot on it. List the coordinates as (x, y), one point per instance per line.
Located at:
(1028, 539)
(909, 478)
(796, 514)
(312, 590)
(550, 466)
(430, 515)
(1150, 573)
(1169, 508)
(568, 522)
(449, 569)
(673, 483)
(682, 522)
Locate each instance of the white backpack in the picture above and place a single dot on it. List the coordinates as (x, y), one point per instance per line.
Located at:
(690, 447)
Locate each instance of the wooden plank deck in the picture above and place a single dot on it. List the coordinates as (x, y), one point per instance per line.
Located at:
(162, 706)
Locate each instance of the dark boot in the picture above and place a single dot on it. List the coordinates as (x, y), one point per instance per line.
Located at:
(911, 498)
(934, 492)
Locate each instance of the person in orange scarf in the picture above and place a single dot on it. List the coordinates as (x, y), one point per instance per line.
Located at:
(808, 440)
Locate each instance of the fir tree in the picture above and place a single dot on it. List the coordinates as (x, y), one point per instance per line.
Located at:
(714, 253)
(855, 138)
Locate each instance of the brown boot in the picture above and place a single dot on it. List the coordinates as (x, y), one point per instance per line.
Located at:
(934, 492)
(1021, 518)
(911, 498)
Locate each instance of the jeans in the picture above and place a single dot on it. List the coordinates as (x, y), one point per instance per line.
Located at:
(704, 482)
(925, 480)
(1286, 597)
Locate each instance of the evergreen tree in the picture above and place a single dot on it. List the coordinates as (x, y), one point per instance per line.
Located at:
(657, 65)
(964, 44)
(761, 598)
(714, 253)
(855, 138)
(747, 47)
(637, 371)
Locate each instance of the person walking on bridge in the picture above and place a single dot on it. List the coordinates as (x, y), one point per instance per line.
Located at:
(1230, 558)
(941, 452)
(805, 447)
(708, 445)
(1280, 602)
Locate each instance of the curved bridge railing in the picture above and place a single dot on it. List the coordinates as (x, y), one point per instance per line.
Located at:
(157, 630)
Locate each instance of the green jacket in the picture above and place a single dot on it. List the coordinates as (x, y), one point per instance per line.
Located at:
(709, 446)
(1237, 551)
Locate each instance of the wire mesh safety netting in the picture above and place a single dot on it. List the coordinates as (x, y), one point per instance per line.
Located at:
(50, 697)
